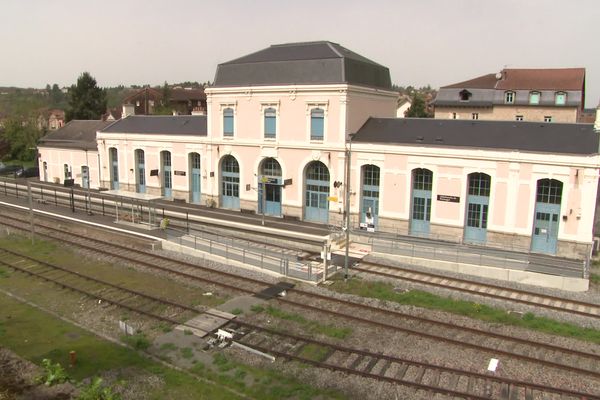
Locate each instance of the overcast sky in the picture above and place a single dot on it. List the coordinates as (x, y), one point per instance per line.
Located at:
(436, 42)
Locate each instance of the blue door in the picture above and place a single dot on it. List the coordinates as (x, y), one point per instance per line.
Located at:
(316, 204)
(544, 238)
(477, 208)
(85, 177)
(269, 188)
(369, 210)
(114, 168)
(230, 183)
(195, 178)
(167, 178)
(421, 202)
(140, 162)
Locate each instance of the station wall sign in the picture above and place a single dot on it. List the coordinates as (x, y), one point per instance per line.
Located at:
(449, 199)
(179, 173)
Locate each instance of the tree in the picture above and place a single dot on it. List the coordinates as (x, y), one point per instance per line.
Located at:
(56, 96)
(86, 99)
(22, 136)
(417, 107)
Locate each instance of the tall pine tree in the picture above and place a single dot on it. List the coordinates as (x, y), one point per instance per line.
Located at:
(86, 99)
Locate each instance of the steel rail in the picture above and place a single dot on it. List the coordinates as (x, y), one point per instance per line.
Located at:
(485, 285)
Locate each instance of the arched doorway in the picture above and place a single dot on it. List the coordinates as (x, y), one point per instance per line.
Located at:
(478, 200)
(369, 209)
(316, 204)
(140, 176)
(113, 160)
(546, 216)
(194, 178)
(422, 180)
(167, 181)
(269, 188)
(230, 183)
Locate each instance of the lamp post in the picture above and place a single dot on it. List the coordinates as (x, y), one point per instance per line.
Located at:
(347, 204)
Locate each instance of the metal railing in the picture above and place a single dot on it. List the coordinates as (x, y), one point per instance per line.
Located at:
(284, 264)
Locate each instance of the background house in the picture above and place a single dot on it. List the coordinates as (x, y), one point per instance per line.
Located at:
(541, 95)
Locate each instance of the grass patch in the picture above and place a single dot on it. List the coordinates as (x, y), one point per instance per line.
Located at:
(311, 326)
(187, 353)
(257, 308)
(168, 347)
(314, 352)
(594, 278)
(237, 311)
(95, 356)
(385, 291)
(139, 341)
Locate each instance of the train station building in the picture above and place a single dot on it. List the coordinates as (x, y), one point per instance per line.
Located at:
(284, 123)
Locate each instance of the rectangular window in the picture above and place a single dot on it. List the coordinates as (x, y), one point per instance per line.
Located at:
(509, 97)
(561, 98)
(228, 122)
(419, 208)
(317, 124)
(534, 98)
(475, 116)
(270, 123)
(519, 118)
(548, 118)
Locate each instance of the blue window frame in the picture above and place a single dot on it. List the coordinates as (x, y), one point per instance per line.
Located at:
(228, 122)
(270, 123)
(534, 97)
(317, 124)
(561, 98)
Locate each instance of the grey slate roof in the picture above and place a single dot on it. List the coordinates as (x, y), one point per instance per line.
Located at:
(160, 124)
(504, 135)
(302, 64)
(76, 134)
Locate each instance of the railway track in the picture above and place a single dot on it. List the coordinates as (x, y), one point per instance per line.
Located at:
(575, 361)
(98, 289)
(384, 367)
(419, 375)
(554, 303)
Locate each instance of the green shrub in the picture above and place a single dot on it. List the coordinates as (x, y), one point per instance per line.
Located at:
(53, 373)
(139, 341)
(95, 391)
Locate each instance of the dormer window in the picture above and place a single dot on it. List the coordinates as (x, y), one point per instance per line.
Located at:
(560, 98)
(509, 97)
(465, 95)
(534, 97)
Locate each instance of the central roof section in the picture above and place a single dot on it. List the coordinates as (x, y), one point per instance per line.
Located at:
(309, 63)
